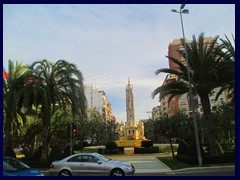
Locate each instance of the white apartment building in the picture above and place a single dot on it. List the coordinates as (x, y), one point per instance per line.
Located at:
(97, 101)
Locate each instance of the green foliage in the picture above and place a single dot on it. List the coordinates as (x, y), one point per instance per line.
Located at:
(66, 151)
(187, 159)
(173, 163)
(37, 154)
(146, 150)
(227, 144)
(188, 148)
(9, 151)
(111, 145)
(76, 147)
(182, 148)
(110, 151)
(146, 143)
(27, 152)
(55, 154)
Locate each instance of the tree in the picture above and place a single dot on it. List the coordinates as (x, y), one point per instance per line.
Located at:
(12, 86)
(54, 86)
(227, 79)
(206, 68)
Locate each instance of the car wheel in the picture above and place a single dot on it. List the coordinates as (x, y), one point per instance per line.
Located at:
(117, 172)
(64, 173)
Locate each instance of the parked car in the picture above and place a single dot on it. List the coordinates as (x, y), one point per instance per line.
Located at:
(90, 164)
(14, 167)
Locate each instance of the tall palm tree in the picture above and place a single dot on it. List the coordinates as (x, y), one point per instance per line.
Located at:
(206, 67)
(227, 79)
(12, 85)
(53, 86)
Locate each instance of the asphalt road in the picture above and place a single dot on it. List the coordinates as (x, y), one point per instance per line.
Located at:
(152, 166)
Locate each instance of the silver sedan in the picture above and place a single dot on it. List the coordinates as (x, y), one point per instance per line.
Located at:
(90, 164)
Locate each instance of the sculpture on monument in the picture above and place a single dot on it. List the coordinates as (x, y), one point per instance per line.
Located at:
(131, 133)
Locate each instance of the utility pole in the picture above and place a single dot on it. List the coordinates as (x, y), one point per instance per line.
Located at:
(191, 106)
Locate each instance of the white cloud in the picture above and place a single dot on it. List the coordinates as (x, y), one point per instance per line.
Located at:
(109, 43)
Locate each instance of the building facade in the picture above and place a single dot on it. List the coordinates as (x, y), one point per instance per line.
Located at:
(181, 102)
(97, 101)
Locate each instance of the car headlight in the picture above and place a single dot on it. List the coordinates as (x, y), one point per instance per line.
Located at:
(130, 168)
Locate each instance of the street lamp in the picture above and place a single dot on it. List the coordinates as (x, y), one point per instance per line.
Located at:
(185, 11)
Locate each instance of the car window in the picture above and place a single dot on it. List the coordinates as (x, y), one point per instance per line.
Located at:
(102, 157)
(75, 159)
(89, 158)
(13, 165)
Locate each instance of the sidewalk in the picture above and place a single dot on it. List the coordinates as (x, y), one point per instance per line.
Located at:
(150, 163)
(144, 163)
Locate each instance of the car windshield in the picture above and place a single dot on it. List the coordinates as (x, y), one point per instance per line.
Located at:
(11, 165)
(103, 157)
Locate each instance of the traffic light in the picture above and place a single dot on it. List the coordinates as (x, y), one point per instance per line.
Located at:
(74, 130)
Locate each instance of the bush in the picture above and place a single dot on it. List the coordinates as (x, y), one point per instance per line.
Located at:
(27, 152)
(111, 145)
(55, 154)
(66, 151)
(188, 149)
(37, 154)
(182, 148)
(146, 144)
(146, 150)
(225, 158)
(9, 151)
(76, 147)
(192, 160)
(227, 144)
(36, 164)
(110, 151)
(120, 150)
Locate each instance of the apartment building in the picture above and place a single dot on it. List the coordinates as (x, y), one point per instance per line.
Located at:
(181, 102)
(97, 101)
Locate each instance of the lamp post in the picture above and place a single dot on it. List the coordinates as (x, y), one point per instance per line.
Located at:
(185, 11)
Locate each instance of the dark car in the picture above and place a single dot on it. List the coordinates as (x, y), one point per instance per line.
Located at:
(14, 167)
(90, 164)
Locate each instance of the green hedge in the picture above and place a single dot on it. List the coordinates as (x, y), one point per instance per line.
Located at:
(36, 164)
(110, 151)
(146, 150)
(220, 159)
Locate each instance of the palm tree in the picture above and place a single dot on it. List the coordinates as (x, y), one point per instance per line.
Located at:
(206, 67)
(53, 86)
(227, 79)
(12, 85)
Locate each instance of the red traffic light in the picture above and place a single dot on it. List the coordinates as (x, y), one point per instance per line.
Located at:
(74, 128)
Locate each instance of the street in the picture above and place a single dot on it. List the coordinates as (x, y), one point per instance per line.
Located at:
(151, 166)
(223, 171)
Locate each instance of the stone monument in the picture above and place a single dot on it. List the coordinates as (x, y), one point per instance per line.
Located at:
(131, 133)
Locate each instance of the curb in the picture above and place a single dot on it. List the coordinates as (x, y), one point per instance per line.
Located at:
(199, 168)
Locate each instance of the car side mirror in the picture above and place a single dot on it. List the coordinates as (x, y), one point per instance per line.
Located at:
(99, 162)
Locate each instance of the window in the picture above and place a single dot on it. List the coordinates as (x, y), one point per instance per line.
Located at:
(90, 159)
(75, 159)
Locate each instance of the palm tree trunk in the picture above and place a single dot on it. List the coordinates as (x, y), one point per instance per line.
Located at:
(7, 131)
(45, 131)
(210, 128)
(44, 143)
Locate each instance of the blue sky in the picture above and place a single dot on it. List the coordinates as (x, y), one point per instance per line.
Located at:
(110, 42)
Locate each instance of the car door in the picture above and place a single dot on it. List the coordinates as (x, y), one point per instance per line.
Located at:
(74, 165)
(91, 166)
